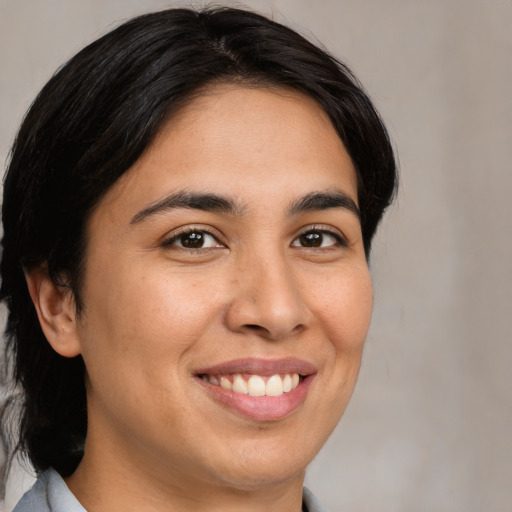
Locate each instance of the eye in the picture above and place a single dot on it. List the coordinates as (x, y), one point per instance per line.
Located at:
(193, 239)
(318, 238)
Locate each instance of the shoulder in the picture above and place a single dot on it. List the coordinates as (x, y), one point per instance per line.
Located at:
(49, 494)
(36, 498)
(310, 503)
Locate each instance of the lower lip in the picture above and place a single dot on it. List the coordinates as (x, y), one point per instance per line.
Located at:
(261, 408)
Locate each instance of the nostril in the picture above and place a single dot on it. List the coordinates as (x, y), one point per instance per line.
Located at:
(257, 329)
(272, 334)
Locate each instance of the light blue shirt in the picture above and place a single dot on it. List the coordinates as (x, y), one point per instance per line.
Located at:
(51, 494)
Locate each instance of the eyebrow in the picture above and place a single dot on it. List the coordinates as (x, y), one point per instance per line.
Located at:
(317, 201)
(314, 201)
(206, 202)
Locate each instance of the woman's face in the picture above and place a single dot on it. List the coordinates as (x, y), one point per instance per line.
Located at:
(230, 255)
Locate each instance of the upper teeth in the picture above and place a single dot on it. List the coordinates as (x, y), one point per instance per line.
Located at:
(256, 385)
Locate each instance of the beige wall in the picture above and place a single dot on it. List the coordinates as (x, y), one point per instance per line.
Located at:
(430, 425)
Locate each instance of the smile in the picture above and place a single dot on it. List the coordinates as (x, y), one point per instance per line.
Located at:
(255, 385)
(259, 389)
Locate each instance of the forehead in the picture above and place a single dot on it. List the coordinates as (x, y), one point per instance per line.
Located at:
(244, 142)
(227, 116)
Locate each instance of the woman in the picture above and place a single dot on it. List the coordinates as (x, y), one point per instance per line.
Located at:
(188, 214)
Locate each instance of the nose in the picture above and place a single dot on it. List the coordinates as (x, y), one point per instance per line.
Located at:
(267, 301)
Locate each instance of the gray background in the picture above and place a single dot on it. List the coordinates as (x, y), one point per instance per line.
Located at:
(429, 427)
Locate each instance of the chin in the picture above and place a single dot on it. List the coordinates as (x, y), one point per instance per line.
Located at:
(262, 464)
(261, 475)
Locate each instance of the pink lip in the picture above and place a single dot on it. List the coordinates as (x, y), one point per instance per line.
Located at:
(263, 367)
(263, 408)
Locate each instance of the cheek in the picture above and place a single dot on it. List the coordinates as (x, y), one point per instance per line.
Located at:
(136, 331)
(138, 316)
(345, 303)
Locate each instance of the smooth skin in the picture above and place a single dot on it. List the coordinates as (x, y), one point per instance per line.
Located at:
(168, 290)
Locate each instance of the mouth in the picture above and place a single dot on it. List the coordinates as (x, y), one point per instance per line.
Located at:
(258, 389)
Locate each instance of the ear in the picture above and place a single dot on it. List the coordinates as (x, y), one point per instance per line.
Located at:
(55, 306)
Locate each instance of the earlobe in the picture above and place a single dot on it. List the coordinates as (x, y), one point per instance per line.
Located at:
(55, 306)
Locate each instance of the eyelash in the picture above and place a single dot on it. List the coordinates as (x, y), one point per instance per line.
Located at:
(341, 241)
(189, 230)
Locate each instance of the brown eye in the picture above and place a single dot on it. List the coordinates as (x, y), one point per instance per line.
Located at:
(193, 239)
(316, 238)
(311, 239)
